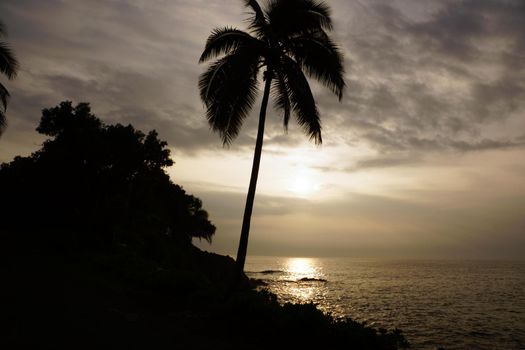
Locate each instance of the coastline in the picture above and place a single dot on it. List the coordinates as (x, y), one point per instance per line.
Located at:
(121, 299)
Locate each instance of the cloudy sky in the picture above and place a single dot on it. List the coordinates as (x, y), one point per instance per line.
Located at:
(424, 156)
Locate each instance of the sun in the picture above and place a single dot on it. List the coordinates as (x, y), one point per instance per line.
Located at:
(302, 184)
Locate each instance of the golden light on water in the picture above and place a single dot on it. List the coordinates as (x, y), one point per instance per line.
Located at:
(301, 267)
(295, 280)
(300, 290)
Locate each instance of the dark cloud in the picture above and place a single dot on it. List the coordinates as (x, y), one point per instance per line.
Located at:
(123, 57)
(464, 29)
(486, 144)
(384, 162)
(441, 79)
(415, 72)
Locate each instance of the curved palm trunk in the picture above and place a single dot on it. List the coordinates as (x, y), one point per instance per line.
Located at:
(245, 231)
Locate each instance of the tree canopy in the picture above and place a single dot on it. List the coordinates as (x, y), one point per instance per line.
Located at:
(93, 185)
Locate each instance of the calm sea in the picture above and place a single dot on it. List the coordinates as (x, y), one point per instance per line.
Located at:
(450, 304)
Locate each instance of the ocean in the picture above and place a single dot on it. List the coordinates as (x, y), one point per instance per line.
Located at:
(436, 303)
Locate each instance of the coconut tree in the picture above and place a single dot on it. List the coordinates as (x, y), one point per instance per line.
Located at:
(285, 40)
(9, 67)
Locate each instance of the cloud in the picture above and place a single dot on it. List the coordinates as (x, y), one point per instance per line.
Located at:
(123, 57)
(384, 162)
(435, 223)
(426, 80)
(447, 76)
(415, 72)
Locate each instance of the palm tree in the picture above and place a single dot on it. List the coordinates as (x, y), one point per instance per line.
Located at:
(9, 67)
(285, 38)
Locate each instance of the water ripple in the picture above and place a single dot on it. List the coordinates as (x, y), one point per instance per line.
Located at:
(450, 304)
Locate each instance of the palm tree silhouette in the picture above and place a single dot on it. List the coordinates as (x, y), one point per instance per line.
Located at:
(9, 67)
(285, 38)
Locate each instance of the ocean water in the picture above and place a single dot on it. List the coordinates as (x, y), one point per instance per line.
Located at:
(440, 303)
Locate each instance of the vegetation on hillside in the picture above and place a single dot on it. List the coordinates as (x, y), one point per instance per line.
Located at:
(97, 247)
(95, 186)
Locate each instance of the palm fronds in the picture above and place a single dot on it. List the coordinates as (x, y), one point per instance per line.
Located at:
(302, 100)
(8, 62)
(225, 40)
(281, 95)
(229, 88)
(290, 37)
(258, 21)
(9, 67)
(293, 17)
(4, 97)
(320, 57)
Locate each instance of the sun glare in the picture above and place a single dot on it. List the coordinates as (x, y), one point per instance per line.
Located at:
(302, 184)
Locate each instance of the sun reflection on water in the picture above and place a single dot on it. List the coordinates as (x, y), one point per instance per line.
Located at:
(301, 267)
(303, 280)
(295, 280)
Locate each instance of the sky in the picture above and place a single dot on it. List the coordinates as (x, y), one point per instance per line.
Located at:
(423, 158)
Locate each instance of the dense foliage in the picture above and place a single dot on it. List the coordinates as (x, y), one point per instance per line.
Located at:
(95, 186)
(122, 301)
(133, 279)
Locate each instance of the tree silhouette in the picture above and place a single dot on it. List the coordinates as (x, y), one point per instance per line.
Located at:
(8, 67)
(94, 186)
(285, 38)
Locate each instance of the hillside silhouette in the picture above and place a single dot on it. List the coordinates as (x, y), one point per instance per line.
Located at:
(98, 247)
